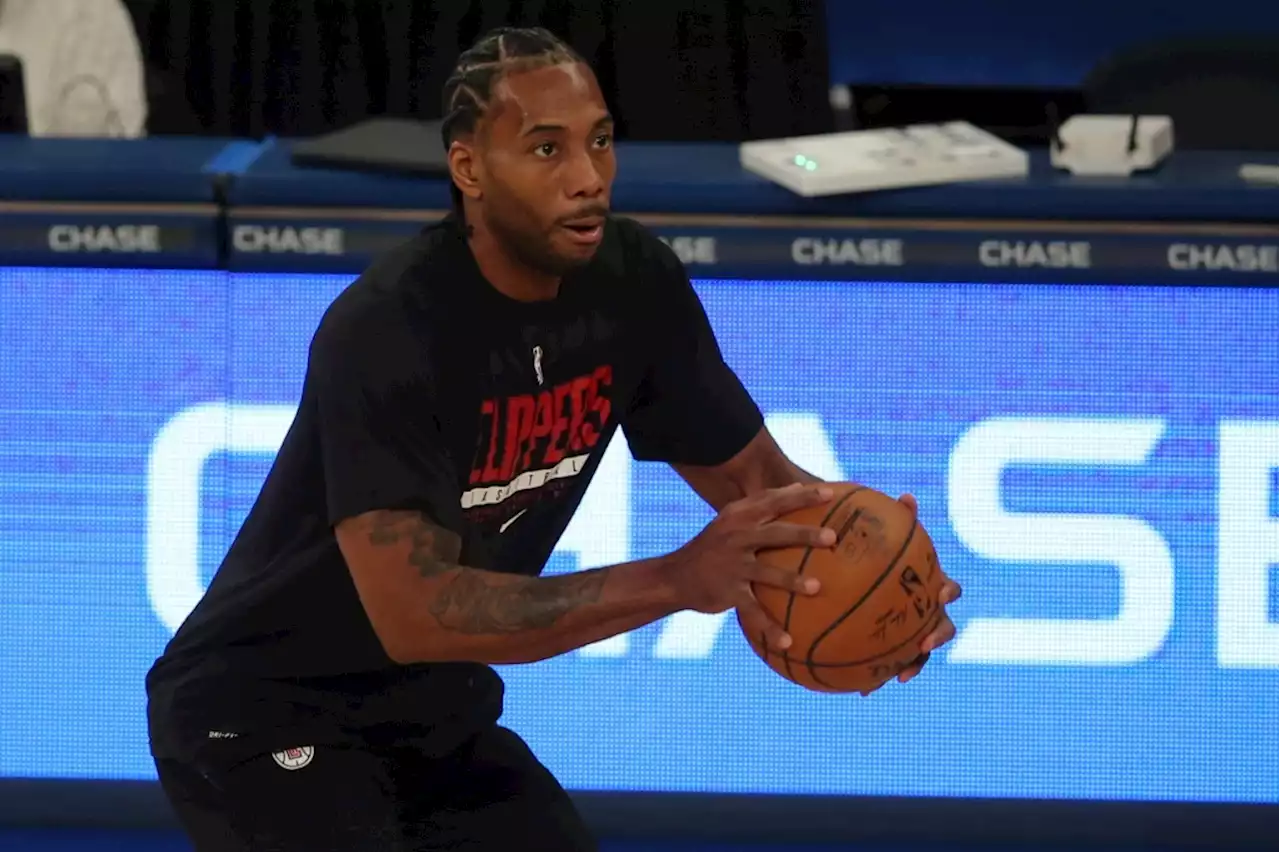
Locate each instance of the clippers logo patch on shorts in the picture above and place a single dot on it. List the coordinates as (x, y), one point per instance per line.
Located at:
(294, 758)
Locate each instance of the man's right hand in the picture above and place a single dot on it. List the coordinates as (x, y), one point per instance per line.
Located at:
(714, 571)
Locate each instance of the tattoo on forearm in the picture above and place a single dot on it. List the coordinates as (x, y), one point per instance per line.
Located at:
(480, 602)
(433, 550)
(476, 602)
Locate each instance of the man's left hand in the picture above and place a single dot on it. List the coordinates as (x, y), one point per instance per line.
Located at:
(946, 630)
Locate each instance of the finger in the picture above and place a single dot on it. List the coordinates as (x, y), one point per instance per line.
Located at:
(780, 578)
(913, 668)
(950, 592)
(910, 502)
(864, 693)
(941, 635)
(783, 534)
(780, 501)
(756, 622)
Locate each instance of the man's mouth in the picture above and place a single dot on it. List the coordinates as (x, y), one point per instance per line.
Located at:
(585, 231)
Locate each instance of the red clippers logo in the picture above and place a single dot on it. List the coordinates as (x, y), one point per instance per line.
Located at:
(536, 439)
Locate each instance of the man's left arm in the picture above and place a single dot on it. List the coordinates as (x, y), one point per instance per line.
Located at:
(762, 465)
(758, 466)
(692, 412)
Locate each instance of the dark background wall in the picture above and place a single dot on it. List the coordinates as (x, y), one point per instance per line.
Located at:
(673, 69)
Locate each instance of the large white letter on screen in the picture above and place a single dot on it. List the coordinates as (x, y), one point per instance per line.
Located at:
(1137, 551)
(600, 532)
(1248, 543)
(174, 470)
(692, 635)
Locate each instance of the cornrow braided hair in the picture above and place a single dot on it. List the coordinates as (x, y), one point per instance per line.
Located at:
(469, 89)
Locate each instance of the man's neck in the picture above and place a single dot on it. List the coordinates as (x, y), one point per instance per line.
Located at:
(505, 273)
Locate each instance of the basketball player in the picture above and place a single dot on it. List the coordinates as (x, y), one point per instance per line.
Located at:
(333, 689)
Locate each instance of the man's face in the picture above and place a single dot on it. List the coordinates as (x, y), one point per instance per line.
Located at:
(547, 166)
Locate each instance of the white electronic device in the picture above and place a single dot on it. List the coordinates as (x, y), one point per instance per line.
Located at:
(1260, 173)
(1112, 145)
(866, 160)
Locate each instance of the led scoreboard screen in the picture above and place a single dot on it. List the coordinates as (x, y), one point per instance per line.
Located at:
(1097, 465)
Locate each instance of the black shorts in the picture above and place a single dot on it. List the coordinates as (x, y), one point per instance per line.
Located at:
(490, 795)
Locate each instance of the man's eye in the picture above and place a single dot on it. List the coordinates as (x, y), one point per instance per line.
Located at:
(604, 140)
(546, 149)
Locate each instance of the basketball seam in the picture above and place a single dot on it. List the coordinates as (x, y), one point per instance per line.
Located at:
(804, 560)
(813, 646)
(928, 626)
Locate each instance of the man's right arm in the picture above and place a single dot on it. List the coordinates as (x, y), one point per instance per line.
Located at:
(425, 606)
(391, 498)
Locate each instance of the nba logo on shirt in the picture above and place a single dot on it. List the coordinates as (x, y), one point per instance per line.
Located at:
(537, 363)
(294, 758)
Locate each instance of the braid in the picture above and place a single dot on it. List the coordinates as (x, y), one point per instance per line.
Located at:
(469, 89)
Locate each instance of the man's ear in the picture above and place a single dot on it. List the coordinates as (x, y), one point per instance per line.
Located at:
(465, 167)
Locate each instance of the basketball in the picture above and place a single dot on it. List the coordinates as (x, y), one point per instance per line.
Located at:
(878, 601)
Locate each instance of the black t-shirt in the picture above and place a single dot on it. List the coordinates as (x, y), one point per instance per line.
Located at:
(428, 389)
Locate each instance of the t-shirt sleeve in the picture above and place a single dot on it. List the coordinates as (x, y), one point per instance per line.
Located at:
(690, 407)
(381, 442)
